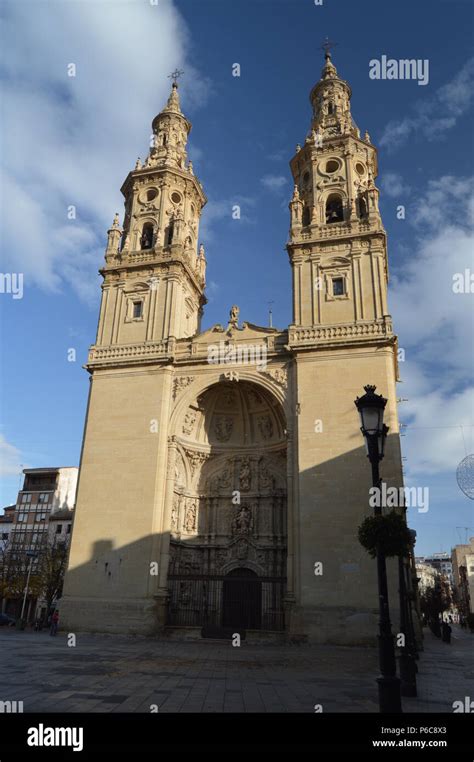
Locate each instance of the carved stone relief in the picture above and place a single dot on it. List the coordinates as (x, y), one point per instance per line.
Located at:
(189, 421)
(223, 425)
(265, 426)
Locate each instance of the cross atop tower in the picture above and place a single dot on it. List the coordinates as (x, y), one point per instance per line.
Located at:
(326, 46)
(175, 75)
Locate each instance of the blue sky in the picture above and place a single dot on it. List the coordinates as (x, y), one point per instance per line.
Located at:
(73, 140)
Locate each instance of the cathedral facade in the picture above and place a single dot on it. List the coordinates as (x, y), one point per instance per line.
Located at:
(223, 474)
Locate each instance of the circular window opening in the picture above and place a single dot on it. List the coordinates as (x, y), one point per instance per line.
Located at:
(175, 198)
(151, 194)
(360, 169)
(332, 166)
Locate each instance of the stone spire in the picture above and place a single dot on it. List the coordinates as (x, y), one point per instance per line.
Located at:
(173, 104)
(330, 99)
(170, 134)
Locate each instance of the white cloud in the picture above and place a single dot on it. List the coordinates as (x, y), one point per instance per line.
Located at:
(393, 186)
(10, 458)
(72, 140)
(274, 182)
(435, 443)
(436, 115)
(430, 318)
(435, 327)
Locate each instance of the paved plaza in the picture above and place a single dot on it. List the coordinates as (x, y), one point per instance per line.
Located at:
(124, 674)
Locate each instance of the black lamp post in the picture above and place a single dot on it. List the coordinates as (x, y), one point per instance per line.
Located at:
(371, 408)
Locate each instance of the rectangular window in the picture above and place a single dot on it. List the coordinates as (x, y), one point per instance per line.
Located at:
(21, 517)
(137, 309)
(43, 497)
(42, 517)
(26, 498)
(338, 286)
(68, 530)
(59, 529)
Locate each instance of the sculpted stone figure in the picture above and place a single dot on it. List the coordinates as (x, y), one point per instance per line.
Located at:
(190, 518)
(242, 523)
(234, 315)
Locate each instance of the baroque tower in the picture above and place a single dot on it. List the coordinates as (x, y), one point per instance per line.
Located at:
(154, 275)
(221, 468)
(337, 243)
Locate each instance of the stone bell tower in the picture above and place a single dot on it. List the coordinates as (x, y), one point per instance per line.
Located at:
(337, 242)
(341, 338)
(154, 275)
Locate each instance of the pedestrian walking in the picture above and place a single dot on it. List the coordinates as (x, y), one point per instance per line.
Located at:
(54, 623)
(446, 630)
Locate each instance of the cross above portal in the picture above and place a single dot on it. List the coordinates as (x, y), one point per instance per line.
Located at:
(175, 75)
(326, 46)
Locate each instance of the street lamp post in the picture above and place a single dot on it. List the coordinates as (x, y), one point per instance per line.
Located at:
(371, 408)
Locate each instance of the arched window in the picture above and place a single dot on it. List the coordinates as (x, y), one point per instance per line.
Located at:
(362, 208)
(146, 240)
(169, 234)
(334, 209)
(306, 220)
(331, 108)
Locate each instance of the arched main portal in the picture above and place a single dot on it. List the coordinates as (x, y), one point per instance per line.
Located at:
(228, 544)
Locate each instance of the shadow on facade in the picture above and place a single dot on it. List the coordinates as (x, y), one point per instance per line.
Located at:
(329, 590)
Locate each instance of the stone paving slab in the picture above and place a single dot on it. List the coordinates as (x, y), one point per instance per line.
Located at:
(106, 673)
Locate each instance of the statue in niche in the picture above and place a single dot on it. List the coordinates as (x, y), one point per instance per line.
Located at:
(265, 477)
(225, 480)
(243, 522)
(190, 517)
(245, 474)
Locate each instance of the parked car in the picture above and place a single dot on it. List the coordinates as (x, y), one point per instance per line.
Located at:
(6, 621)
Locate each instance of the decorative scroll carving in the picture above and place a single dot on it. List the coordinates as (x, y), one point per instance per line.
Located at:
(279, 375)
(181, 383)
